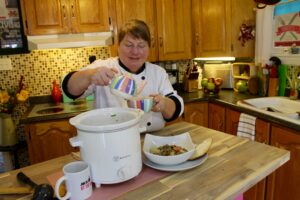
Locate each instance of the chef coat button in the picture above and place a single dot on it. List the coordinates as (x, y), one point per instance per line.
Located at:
(148, 123)
(143, 77)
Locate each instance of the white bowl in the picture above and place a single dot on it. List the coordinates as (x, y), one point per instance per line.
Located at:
(183, 140)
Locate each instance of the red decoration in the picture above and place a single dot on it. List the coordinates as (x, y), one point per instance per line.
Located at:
(56, 93)
(246, 33)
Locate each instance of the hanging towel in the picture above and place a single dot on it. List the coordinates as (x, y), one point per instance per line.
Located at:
(246, 126)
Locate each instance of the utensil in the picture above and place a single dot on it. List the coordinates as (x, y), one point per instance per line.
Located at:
(16, 190)
(41, 192)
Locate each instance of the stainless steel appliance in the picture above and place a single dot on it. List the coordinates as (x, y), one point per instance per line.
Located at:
(223, 71)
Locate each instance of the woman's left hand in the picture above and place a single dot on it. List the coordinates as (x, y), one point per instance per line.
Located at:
(164, 105)
(159, 103)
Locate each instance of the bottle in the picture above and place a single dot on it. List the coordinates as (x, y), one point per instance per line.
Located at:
(56, 93)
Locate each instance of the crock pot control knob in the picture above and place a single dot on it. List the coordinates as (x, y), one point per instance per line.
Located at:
(123, 173)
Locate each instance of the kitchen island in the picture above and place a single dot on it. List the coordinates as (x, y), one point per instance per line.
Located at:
(233, 166)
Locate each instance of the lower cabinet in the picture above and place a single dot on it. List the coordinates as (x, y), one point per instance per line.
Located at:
(196, 113)
(49, 139)
(232, 121)
(262, 134)
(216, 117)
(284, 183)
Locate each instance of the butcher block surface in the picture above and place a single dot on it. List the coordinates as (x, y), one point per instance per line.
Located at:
(233, 166)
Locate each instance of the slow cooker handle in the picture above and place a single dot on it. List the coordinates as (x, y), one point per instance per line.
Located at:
(75, 142)
(142, 129)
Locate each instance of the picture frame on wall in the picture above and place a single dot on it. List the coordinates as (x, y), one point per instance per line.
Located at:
(12, 37)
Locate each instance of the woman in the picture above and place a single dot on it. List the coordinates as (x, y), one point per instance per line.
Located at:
(134, 42)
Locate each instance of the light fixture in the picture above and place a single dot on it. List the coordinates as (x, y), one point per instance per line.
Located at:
(215, 59)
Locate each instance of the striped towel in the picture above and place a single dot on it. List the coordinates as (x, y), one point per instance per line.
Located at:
(246, 126)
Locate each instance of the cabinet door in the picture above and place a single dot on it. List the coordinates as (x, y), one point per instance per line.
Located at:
(262, 135)
(284, 183)
(232, 121)
(174, 29)
(211, 27)
(143, 10)
(47, 140)
(196, 113)
(46, 16)
(65, 16)
(89, 16)
(216, 117)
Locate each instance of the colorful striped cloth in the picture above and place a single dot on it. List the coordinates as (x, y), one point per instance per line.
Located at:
(246, 126)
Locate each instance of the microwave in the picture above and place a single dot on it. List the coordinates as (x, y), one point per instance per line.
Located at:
(223, 71)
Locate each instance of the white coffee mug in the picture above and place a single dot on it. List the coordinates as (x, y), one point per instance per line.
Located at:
(78, 181)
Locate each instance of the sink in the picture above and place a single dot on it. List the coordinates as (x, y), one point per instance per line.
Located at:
(279, 107)
(61, 108)
(50, 110)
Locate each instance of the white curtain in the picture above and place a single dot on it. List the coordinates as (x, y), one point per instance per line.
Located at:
(264, 35)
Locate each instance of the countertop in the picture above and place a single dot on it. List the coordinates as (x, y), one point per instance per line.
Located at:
(228, 154)
(227, 98)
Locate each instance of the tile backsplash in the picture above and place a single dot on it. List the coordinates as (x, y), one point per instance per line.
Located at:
(41, 67)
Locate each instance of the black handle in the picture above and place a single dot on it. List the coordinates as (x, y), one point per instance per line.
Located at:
(25, 179)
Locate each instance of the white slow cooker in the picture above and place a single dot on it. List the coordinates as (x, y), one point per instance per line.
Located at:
(109, 141)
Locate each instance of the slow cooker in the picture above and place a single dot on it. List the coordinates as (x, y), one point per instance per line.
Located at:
(109, 141)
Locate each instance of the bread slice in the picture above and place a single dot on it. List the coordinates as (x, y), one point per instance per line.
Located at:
(201, 149)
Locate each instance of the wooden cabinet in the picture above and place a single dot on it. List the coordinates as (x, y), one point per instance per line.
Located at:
(262, 135)
(232, 121)
(47, 140)
(284, 183)
(174, 29)
(196, 113)
(169, 22)
(138, 9)
(64, 16)
(216, 27)
(216, 117)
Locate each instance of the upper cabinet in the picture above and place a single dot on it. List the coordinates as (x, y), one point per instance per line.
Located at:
(138, 9)
(174, 29)
(169, 22)
(217, 26)
(42, 17)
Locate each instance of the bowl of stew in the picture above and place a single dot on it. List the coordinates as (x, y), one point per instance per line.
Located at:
(168, 150)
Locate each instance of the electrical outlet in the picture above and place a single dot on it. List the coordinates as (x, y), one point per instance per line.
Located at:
(5, 64)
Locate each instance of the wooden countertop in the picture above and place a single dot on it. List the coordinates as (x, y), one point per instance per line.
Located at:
(233, 166)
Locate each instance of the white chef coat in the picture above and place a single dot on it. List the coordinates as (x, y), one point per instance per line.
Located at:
(157, 82)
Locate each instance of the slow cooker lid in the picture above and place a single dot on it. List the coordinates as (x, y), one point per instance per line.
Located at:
(106, 119)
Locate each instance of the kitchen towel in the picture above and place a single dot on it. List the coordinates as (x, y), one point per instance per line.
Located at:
(246, 126)
(111, 191)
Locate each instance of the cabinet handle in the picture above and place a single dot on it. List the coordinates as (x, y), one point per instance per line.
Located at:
(64, 12)
(152, 42)
(73, 12)
(160, 42)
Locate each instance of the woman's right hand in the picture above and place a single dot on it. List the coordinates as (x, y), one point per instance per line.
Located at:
(103, 75)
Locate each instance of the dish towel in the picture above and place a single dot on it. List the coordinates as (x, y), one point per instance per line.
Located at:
(246, 126)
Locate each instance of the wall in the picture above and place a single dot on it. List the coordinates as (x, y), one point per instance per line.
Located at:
(41, 67)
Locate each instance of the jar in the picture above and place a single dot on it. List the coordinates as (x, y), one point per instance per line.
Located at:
(8, 136)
